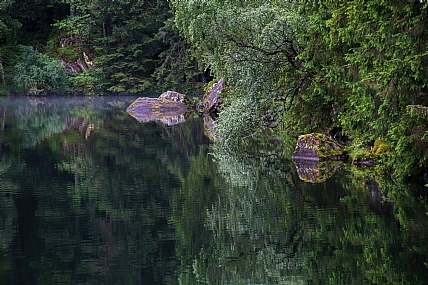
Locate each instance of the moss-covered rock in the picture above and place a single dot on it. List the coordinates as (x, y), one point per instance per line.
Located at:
(170, 108)
(381, 147)
(370, 156)
(158, 109)
(316, 146)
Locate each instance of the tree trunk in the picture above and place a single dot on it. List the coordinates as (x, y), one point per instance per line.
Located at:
(72, 9)
(3, 125)
(105, 35)
(2, 73)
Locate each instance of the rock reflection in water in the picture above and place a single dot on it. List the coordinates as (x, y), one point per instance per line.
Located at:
(209, 123)
(316, 171)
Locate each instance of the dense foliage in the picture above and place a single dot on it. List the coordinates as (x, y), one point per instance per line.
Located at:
(312, 66)
(299, 66)
(105, 46)
(38, 73)
(371, 58)
(255, 46)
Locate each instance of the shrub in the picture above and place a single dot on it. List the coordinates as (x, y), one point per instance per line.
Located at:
(38, 73)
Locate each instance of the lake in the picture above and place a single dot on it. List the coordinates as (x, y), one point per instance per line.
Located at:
(89, 195)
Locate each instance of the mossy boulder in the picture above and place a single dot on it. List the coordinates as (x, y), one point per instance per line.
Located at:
(158, 109)
(381, 147)
(316, 146)
(210, 106)
(371, 157)
(170, 108)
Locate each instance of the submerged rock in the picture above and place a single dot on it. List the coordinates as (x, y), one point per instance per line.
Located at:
(368, 162)
(317, 147)
(370, 158)
(158, 109)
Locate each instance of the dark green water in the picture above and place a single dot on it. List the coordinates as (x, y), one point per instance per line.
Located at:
(88, 195)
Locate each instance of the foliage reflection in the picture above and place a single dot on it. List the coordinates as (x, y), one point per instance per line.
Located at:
(90, 195)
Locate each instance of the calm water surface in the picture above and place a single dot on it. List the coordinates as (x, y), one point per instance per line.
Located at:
(89, 195)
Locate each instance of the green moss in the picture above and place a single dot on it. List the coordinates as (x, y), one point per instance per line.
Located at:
(69, 53)
(381, 147)
(320, 136)
(189, 102)
(326, 146)
(365, 153)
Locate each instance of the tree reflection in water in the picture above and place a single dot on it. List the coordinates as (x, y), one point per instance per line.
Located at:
(129, 203)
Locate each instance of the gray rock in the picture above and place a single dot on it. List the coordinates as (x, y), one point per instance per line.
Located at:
(212, 100)
(176, 97)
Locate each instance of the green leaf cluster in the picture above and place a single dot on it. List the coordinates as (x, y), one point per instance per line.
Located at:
(254, 45)
(39, 74)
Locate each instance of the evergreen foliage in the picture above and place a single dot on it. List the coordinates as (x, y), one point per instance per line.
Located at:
(371, 59)
(8, 25)
(8, 31)
(133, 45)
(128, 48)
(178, 64)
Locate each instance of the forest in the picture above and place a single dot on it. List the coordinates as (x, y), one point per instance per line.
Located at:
(90, 195)
(92, 47)
(291, 67)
